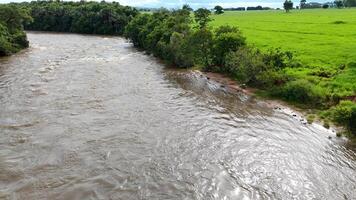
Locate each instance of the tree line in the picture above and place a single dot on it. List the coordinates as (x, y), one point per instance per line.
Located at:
(79, 17)
(12, 36)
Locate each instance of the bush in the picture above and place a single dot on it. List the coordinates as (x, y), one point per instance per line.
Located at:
(245, 64)
(201, 42)
(226, 39)
(12, 36)
(20, 39)
(252, 67)
(180, 52)
(345, 114)
(302, 91)
(277, 58)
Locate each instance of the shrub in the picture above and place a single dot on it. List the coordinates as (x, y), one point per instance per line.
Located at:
(277, 58)
(252, 67)
(302, 91)
(201, 42)
(310, 119)
(180, 52)
(226, 39)
(345, 114)
(245, 64)
(20, 39)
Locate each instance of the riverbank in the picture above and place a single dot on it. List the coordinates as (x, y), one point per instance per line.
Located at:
(224, 49)
(283, 106)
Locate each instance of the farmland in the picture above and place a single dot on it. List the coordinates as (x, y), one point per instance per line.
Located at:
(318, 37)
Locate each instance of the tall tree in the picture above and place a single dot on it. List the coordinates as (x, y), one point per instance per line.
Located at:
(339, 3)
(187, 7)
(219, 10)
(288, 5)
(302, 3)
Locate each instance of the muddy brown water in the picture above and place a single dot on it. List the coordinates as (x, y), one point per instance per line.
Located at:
(90, 117)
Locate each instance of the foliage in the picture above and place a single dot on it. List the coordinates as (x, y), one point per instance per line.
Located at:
(79, 17)
(303, 92)
(202, 17)
(288, 5)
(202, 41)
(219, 10)
(227, 39)
(12, 36)
(339, 3)
(251, 66)
(187, 7)
(302, 4)
(349, 3)
(345, 114)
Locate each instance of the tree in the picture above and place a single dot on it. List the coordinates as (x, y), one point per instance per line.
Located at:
(201, 42)
(288, 5)
(339, 3)
(350, 3)
(202, 17)
(12, 36)
(227, 39)
(302, 3)
(187, 7)
(13, 17)
(219, 10)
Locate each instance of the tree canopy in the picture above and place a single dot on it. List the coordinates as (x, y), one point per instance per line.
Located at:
(218, 10)
(79, 17)
(288, 5)
(202, 17)
(12, 36)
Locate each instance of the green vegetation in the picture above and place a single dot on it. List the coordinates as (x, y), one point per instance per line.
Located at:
(344, 114)
(79, 17)
(310, 119)
(12, 36)
(218, 10)
(288, 5)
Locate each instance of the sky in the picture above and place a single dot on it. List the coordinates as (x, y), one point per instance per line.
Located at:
(194, 3)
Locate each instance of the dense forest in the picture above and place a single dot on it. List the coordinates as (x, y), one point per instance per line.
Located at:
(79, 17)
(12, 36)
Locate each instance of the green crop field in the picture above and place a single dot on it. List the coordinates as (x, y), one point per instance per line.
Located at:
(323, 40)
(322, 37)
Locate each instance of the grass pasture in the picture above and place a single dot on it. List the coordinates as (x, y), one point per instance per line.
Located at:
(323, 40)
(318, 37)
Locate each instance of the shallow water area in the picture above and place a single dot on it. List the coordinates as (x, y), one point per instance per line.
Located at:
(90, 117)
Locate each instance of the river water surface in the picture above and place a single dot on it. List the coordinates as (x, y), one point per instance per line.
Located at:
(90, 117)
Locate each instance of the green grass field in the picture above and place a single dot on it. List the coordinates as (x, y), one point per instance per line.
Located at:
(321, 39)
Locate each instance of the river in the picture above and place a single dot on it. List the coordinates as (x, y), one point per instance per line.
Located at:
(90, 117)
